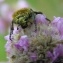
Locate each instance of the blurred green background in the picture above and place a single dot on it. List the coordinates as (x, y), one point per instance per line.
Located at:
(49, 7)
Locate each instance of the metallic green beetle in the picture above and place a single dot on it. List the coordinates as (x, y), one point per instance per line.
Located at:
(24, 17)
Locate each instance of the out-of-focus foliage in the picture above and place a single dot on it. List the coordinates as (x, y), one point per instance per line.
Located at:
(2, 50)
(11, 1)
(49, 7)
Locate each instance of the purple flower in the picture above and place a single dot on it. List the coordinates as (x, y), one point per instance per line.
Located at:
(41, 19)
(57, 52)
(33, 56)
(18, 46)
(23, 42)
(1, 1)
(58, 24)
(49, 55)
(8, 46)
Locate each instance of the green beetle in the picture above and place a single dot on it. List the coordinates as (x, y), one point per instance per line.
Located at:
(24, 17)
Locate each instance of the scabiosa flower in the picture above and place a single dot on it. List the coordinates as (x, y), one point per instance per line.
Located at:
(35, 47)
(23, 42)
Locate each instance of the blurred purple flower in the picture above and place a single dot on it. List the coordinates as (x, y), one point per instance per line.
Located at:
(40, 18)
(23, 42)
(6, 17)
(57, 52)
(22, 4)
(33, 56)
(2, 26)
(1, 1)
(6, 12)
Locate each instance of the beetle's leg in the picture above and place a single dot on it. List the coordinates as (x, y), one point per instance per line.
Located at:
(41, 13)
(11, 31)
(48, 19)
(35, 23)
(38, 12)
(35, 26)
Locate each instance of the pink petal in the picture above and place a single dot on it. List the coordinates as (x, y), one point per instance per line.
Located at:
(40, 18)
(6, 37)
